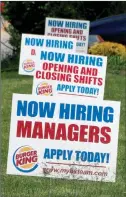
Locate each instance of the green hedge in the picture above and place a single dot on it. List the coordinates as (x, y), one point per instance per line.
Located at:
(10, 63)
(116, 64)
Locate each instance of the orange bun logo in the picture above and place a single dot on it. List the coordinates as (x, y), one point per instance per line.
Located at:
(44, 89)
(25, 159)
(28, 65)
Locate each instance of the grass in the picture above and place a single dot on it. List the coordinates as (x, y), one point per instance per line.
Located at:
(22, 186)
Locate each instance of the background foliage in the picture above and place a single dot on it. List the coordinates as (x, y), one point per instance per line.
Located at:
(29, 17)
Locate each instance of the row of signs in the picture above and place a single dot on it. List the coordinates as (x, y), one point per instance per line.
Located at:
(64, 129)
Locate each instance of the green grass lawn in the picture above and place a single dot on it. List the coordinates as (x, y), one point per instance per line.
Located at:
(22, 186)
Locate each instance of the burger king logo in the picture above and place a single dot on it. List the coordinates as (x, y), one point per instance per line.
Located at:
(29, 65)
(25, 159)
(44, 89)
